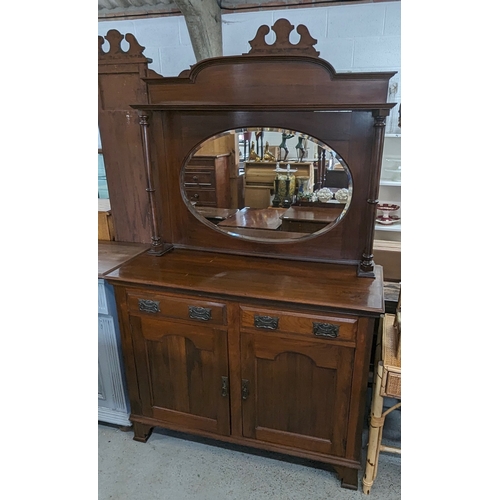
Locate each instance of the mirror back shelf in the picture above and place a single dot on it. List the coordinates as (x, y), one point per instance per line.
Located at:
(253, 95)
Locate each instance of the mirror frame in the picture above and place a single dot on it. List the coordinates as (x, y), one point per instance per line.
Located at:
(346, 112)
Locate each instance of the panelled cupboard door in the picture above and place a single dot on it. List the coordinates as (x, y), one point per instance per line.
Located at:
(296, 392)
(182, 373)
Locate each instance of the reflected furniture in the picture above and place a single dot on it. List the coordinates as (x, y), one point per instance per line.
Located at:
(259, 180)
(255, 218)
(387, 376)
(113, 402)
(206, 180)
(215, 215)
(309, 219)
(336, 178)
(228, 333)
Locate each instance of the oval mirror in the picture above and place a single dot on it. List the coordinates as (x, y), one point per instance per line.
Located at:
(267, 184)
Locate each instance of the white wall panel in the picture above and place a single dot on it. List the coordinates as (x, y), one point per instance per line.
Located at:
(238, 29)
(365, 20)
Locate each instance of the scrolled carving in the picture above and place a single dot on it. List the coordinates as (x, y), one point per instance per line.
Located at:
(282, 44)
(114, 37)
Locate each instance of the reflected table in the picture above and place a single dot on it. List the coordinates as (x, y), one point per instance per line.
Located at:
(309, 219)
(214, 214)
(254, 218)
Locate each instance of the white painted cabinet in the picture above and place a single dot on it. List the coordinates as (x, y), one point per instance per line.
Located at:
(113, 406)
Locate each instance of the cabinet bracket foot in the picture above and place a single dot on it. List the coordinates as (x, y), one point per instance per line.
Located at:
(142, 432)
(348, 477)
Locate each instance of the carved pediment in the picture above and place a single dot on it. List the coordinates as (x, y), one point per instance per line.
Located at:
(115, 52)
(282, 44)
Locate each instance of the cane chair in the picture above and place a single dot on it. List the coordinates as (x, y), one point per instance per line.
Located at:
(387, 383)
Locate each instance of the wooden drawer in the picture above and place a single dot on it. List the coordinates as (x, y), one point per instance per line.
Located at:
(201, 196)
(204, 178)
(329, 327)
(204, 161)
(153, 304)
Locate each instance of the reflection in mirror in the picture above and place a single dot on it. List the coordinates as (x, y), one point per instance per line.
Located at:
(267, 184)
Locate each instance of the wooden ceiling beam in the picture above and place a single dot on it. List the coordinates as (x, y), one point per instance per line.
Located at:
(204, 24)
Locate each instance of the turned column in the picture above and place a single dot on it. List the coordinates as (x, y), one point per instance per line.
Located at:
(367, 266)
(157, 246)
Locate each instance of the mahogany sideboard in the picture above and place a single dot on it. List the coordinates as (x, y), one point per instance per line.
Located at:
(255, 351)
(248, 334)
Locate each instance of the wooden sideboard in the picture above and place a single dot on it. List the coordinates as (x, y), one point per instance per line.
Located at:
(249, 334)
(255, 351)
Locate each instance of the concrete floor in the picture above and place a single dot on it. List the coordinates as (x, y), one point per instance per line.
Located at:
(173, 466)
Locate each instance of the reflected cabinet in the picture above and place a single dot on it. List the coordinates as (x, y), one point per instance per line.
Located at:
(252, 323)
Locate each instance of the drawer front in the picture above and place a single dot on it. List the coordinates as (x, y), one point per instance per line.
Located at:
(170, 306)
(326, 327)
(204, 178)
(202, 161)
(201, 196)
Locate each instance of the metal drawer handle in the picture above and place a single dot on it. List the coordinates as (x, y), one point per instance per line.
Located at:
(267, 322)
(202, 313)
(325, 330)
(150, 306)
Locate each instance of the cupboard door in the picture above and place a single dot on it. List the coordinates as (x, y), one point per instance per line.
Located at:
(296, 392)
(182, 373)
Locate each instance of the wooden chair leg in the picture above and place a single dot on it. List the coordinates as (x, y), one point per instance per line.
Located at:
(375, 433)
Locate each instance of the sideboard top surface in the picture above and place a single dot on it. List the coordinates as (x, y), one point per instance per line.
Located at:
(112, 254)
(258, 278)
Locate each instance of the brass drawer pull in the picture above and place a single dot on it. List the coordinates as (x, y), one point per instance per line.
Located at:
(150, 306)
(325, 330)
(201, 313)
(267, 322)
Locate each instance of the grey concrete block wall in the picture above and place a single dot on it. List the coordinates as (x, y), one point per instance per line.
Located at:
(358, 38)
